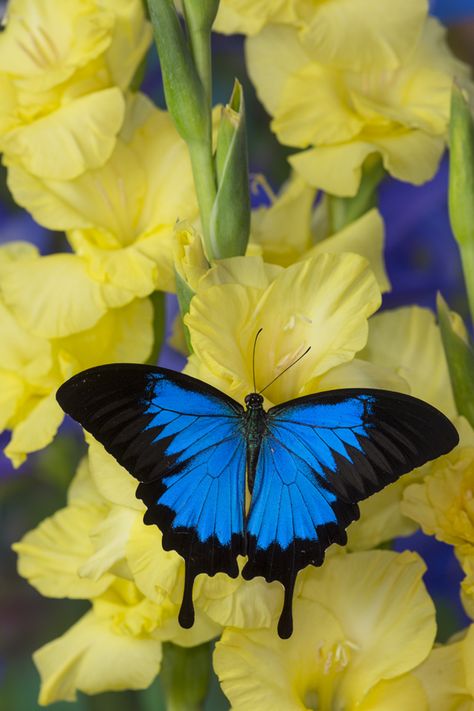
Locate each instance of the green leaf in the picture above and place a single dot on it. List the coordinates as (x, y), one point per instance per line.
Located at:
(230, 218)
(461, 185)
(460, 357)
(158, 301)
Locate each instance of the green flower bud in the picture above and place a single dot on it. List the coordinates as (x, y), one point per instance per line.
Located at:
(230, 218)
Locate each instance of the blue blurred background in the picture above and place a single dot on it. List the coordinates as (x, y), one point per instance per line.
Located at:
(422, 258)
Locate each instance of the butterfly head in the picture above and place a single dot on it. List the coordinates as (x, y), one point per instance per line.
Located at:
(254, 401)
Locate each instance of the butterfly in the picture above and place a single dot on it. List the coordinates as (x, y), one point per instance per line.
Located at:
(305, 464)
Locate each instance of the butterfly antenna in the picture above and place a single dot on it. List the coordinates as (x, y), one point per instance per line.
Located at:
(287, 368)
(253, 358)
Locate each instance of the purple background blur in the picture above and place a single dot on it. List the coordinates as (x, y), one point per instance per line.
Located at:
(422, 259)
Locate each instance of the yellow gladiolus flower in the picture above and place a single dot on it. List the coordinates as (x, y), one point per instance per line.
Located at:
(120, 218)
(363, 622)
(340, 113)
(54, 323)
(80, 553)
(63, 68)
(447, 675)
(323, 302)
(293, 229)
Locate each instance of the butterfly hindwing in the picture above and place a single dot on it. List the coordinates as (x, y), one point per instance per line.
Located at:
(319, 456)
(184, 441)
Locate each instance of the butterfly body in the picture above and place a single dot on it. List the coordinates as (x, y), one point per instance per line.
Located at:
(255, 428)
(306, 463)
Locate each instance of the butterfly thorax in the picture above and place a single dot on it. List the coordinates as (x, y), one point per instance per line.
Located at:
(255, 427)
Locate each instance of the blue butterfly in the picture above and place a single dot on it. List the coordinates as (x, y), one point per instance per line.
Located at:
(306, 464)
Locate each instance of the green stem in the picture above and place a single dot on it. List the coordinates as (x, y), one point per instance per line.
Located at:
(159, 325)
(467, 259)
(201, 50)
(185, 675)
(205, 184)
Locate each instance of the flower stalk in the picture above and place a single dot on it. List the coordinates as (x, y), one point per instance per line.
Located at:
(461, 185)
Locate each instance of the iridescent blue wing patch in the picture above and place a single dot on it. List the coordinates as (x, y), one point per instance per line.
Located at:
(319, 456)
(184, 441)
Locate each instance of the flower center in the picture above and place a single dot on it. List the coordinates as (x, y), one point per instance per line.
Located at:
(322, 692)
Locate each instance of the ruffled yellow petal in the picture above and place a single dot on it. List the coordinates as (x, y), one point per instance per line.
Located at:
(268, 69)
(249, 16)
(64, 144)
(381, 517)
(36, 430)
(321, 166)
(313, 109)
(361, 34)
(50, 556)
(364, 237)
(92, 657)
(109, 538)
(447, 675)
(157, 573)
(122, 336)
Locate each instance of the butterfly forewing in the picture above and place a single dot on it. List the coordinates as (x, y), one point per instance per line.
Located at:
(320, 455)
(184, 441)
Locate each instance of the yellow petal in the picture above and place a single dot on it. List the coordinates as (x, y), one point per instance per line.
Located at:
(321, 166)
(45, 44)
(50, 556)
(36, 430)
(364, 33)
(113, 482)
(122, 336)
(64, 144)
(313, 109)
(283, 230)
(53, 296)
(381, 517)
(249, 16)
(268, 69)
(92, 658)
(157, 573)
(405, 692)
(365, 237)
(419, 357)
(394, 628)
(109, 538)
(447, 676)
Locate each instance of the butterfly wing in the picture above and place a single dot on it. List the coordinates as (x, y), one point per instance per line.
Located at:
(183, 440)
(321, 454)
